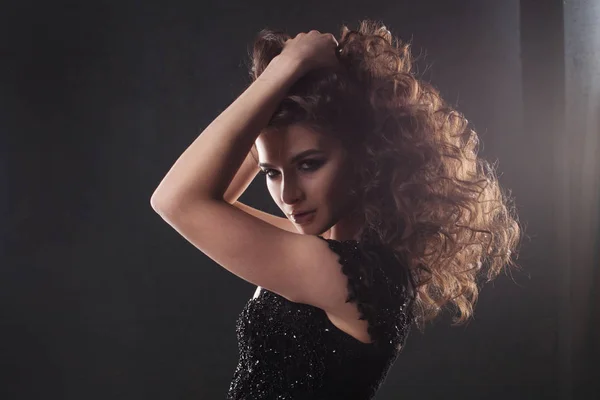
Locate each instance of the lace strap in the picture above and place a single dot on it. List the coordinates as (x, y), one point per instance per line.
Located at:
(382, 298)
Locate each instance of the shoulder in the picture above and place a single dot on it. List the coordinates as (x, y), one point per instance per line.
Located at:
(363, 273)
(326, 278)
(378, 285)
(295, 266)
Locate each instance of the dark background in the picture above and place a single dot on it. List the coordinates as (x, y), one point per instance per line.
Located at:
(100, 298)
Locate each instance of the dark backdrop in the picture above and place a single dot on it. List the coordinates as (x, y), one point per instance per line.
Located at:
(100, 298)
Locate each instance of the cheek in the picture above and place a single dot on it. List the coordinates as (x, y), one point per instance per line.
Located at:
(341, 189)
(330, 189)
(339, 180)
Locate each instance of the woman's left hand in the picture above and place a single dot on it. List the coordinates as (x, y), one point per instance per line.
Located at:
(313, 50)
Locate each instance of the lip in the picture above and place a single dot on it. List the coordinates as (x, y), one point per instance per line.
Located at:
(300, 213)
(303, 218)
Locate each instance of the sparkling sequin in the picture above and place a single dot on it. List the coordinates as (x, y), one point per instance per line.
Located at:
(292, 351)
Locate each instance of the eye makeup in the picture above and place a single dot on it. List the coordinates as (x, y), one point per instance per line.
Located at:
(313, 165)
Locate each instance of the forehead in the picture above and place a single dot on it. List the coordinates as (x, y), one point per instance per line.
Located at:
(274, 144)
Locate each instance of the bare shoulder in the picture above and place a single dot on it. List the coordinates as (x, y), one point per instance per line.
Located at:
(300, 268)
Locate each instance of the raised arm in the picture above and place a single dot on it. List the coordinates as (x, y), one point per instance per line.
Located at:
(242, 179)
(207, 168)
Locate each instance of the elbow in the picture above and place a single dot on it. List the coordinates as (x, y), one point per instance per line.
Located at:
(154, 204)
(170, 204)
(160, 203)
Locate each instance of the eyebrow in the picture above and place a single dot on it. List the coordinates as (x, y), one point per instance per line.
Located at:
(296, 157)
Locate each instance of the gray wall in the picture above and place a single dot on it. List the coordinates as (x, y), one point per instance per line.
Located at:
(102, 299)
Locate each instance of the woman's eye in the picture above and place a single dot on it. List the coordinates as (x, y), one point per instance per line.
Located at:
(311, 165)
(265, 172)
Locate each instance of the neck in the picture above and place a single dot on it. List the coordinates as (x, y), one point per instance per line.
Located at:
(348, 228)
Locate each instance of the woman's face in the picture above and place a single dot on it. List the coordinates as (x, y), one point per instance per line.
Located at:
(307, 170)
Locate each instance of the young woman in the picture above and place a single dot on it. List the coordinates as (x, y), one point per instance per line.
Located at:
(390, 213)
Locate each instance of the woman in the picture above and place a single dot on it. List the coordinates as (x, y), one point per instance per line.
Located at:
(400, 215)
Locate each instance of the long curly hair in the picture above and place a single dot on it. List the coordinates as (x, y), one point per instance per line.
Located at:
(424, 191)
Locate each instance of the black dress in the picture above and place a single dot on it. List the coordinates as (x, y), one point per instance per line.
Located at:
(292, 351)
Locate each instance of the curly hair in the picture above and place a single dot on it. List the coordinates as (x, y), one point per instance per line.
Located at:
(424, 191)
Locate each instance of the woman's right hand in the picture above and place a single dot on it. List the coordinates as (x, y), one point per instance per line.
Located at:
(312, 50)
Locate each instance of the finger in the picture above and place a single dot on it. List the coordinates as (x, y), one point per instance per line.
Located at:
(334, 39)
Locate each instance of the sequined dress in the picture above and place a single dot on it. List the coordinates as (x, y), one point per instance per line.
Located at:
(293, 351)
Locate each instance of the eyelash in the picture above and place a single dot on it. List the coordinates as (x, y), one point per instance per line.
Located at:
(315, 164)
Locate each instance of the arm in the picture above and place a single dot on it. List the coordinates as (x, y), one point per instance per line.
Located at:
(191, 196)
(242, 179)
(207, 167)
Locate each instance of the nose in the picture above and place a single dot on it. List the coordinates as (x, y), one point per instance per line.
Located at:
(290, 191)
